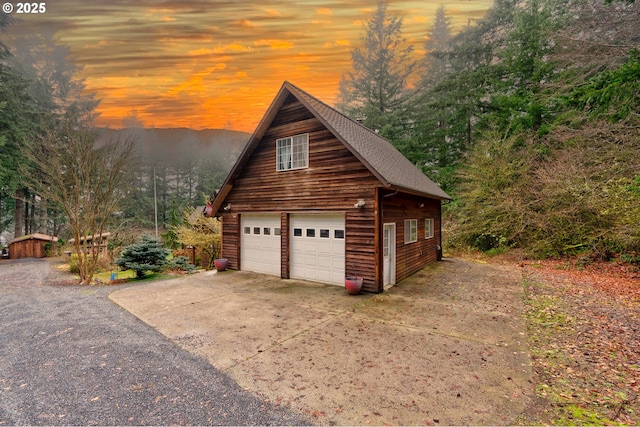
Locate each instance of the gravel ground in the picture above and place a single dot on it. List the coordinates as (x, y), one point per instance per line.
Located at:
(69, 356)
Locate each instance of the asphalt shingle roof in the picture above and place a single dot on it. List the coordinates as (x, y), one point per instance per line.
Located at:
(389, 164)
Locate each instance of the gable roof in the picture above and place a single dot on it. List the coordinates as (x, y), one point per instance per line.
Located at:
(382, 159)
(35, 236)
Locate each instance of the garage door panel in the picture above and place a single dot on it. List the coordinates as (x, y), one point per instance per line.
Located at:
(317, 248)
(310, 261)
(325, 262)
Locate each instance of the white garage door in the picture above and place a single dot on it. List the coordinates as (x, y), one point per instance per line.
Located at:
(260, 244)
(317, 248)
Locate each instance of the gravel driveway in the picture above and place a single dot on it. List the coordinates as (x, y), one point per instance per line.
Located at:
(69, 356)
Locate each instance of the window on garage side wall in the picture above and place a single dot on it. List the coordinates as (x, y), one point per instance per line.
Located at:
(428, 228)
(410, 230)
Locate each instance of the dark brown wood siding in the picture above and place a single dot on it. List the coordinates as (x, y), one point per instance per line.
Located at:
(231, 239)
(334, 181)
(28, 248)
(411, 257)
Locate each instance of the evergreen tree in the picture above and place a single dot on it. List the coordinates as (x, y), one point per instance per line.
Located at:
(451, 112)
(21, 118)
(376, 90)
(56, 97)
(553, 169)
(437, 44)
(146, 255)
(517, 89)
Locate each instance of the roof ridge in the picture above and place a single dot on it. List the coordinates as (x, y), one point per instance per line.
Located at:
(355, 122)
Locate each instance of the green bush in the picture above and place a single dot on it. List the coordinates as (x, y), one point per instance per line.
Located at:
(146, 255)
(102, 265)
(180, 263)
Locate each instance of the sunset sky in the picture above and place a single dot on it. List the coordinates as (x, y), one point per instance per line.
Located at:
(219, 63)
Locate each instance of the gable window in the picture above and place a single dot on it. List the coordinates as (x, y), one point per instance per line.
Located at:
(428, 228)
(410, 230)
(292, 152)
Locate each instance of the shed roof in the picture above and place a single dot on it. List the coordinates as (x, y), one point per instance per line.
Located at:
(102, 236)
(390, 166)
(34, 236)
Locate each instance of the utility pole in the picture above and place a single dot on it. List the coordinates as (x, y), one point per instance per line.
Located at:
(155, 199)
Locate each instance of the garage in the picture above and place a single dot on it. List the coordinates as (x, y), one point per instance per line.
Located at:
(260, 244)
(318, 248)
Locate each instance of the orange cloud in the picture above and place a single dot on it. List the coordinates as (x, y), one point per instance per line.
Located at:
(205, 63)
(274, 44)
(245, 23)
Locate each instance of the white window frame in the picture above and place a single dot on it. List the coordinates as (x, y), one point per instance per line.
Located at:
(410, 231)
(428, 228)
(292, 152)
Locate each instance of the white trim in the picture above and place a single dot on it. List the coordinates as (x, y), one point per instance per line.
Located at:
(389, 259)
(292, 152)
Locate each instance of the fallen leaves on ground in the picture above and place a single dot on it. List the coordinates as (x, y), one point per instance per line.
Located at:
(584, 327)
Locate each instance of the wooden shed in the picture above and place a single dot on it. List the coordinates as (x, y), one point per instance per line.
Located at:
(98, 243)
(317, 196)
(31, 246)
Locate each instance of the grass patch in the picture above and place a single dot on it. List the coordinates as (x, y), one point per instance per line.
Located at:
(129, 276)
(105, 276)
(574, 415)
(153, 277)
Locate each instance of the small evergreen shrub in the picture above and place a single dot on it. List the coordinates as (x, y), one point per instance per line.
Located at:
(146, 255)
(180, 263)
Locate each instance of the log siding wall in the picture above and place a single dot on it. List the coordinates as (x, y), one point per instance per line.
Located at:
(411, 257)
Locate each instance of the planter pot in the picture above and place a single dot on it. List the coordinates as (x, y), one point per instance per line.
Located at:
(353, 285)
(221, 264)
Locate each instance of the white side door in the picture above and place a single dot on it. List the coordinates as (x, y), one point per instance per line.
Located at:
(389, 253)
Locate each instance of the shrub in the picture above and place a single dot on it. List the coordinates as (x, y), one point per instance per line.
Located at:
(103, 264)
(146, 255)
(180, 263)
(203, 234)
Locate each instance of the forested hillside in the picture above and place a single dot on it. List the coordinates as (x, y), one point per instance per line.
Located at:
(529, 118)
(188, 165)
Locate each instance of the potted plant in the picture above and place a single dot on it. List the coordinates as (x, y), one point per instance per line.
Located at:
(353, 284)
(220, 263)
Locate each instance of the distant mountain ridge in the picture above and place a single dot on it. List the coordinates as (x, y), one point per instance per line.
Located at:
(175, 143)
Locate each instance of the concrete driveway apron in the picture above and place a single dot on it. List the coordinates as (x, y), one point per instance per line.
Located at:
(446, 346)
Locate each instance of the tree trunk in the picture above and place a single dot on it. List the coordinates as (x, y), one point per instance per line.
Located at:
(44, 220)
(32, 214)
(26, 213)
(18, 216)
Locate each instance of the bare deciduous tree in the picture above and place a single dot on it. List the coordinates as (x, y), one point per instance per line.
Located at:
(83, 179)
